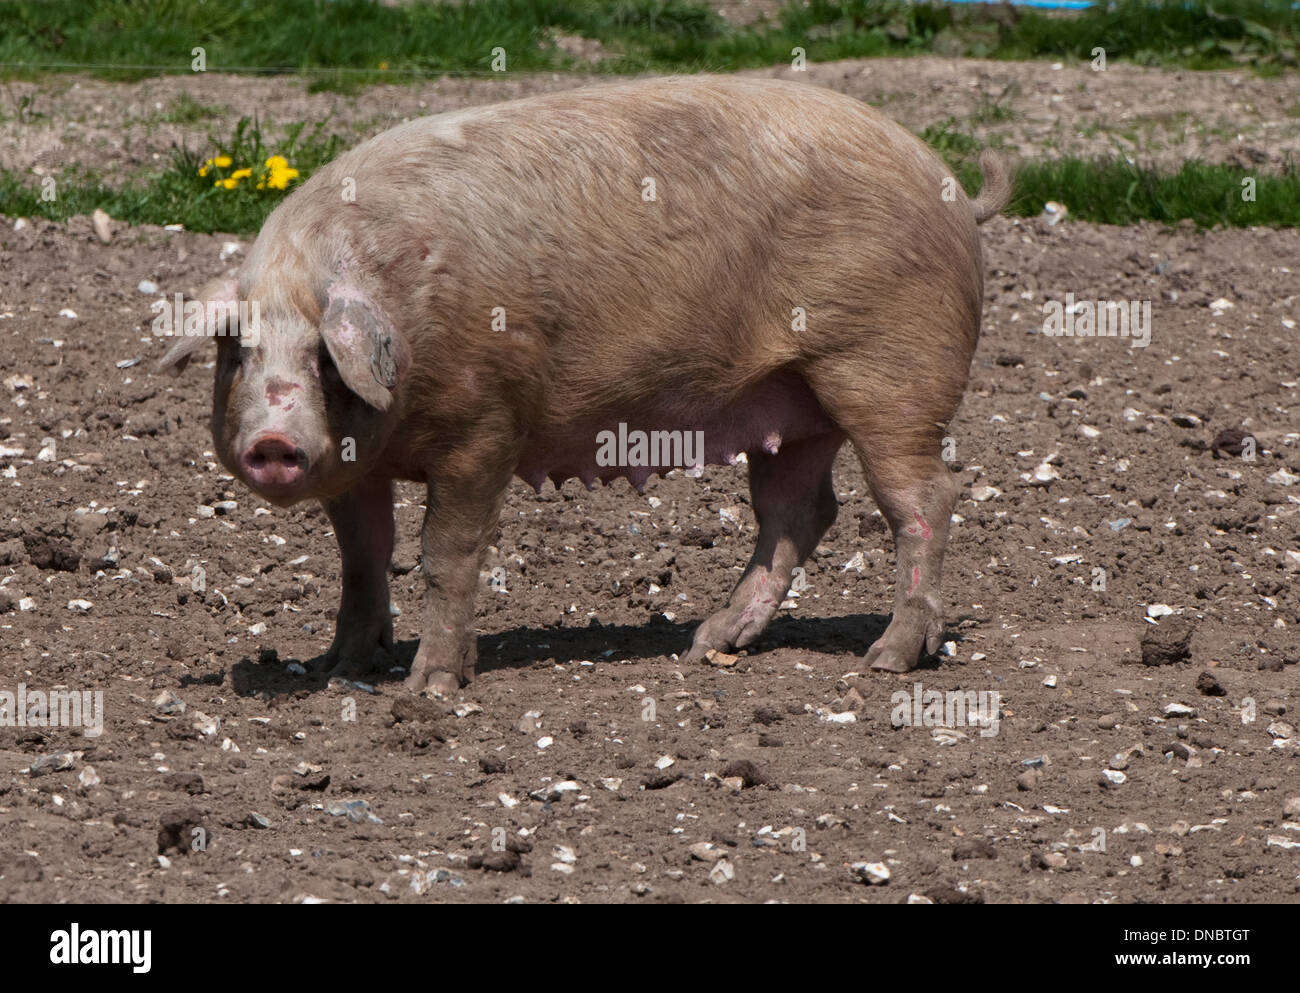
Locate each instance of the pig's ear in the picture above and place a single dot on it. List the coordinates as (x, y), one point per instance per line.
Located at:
(369, 353)
(220, 291)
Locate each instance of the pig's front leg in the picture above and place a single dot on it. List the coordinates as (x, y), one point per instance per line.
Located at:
(460, 522)
(363, 524)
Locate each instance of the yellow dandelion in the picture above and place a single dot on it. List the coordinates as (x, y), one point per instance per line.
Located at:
(239, 174)
(222, 161)
(277, 162)
(228, 184)
(281, 178)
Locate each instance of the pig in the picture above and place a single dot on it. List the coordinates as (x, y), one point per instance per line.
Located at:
(769, 266)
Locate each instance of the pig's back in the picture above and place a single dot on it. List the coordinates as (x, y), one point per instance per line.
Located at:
(623, 224)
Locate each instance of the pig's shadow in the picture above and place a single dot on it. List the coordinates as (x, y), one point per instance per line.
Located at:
(524, 647)
(519, 648)
(249, 677)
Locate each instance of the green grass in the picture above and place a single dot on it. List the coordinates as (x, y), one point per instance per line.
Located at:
(1117, 191)
(1105, 191)
(344, 43)
(959, 149)
(184, 109)
(1197, 34)
(135, 38)
(179, 194)
(993, 109)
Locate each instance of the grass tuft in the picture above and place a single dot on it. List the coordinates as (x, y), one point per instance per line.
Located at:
(180, 194)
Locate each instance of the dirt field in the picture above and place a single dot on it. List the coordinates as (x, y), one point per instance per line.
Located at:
(768, 779)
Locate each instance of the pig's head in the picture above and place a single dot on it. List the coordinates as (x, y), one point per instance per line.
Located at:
(305, 396)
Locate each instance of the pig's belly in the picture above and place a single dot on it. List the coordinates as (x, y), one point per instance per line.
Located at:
(658, 437)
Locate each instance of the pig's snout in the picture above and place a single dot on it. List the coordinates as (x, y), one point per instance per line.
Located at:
(274, 464)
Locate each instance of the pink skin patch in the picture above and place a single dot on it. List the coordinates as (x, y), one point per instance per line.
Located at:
(920, 527)
(916, 579)
(276, 390)
(761, 602)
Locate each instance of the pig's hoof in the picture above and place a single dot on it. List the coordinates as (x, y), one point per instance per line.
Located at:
(351, 667)
(906, 639)
(729, 629)
(889, 660)
(698, 651)
(433, 683)
(441, 669)
(703, 644)
(352, 653)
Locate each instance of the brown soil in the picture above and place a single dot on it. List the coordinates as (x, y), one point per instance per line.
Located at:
(602, 588)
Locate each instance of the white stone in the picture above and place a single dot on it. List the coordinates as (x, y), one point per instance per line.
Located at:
(874, 873)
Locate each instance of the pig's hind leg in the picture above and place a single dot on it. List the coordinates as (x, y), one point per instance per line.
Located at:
(363, 525)
(916, 494)
(893, 393)
(897, 428)
(795, 504)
